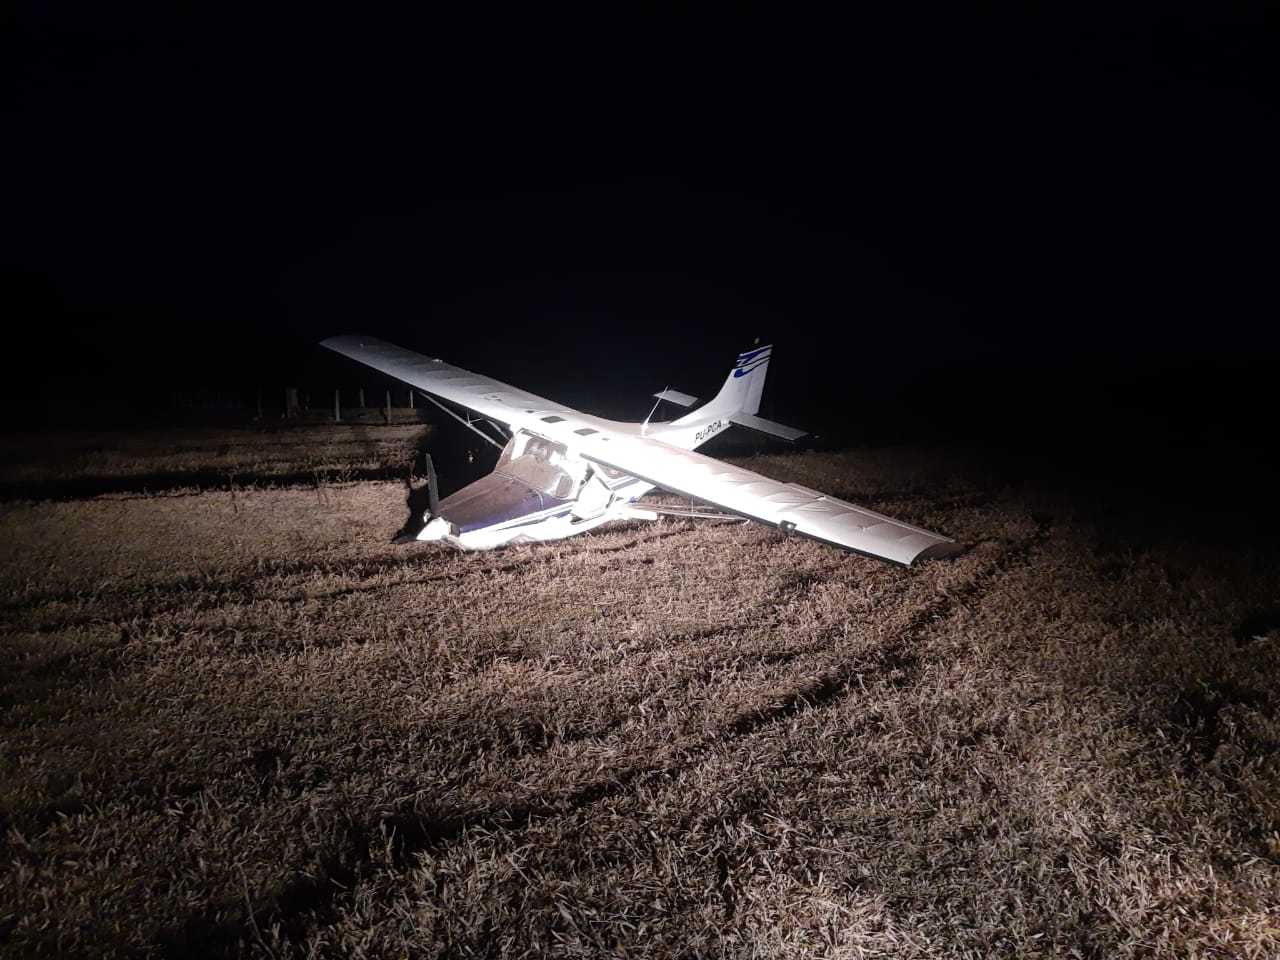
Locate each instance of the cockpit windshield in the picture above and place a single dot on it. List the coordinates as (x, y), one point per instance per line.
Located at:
(539, 462)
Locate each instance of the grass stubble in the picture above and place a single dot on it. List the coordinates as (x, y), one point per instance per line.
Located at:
(240, 722)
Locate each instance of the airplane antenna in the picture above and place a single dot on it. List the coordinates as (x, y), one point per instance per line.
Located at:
(645, 425)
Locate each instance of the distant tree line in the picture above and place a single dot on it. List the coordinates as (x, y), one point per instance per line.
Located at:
(128, 403)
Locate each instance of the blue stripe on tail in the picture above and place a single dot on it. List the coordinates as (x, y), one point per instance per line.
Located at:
(749, 361)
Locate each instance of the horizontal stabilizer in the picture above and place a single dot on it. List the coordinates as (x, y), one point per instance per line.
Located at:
(752, 422)
(675, 396)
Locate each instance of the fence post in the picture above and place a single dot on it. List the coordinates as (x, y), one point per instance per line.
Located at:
(388, 408)
(360, 394)
(337, 405)
(410, 399)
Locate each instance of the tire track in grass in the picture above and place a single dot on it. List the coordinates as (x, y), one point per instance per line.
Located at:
(109, 653)
(197, 594)
(694, 658)
(212, 593)
(666, 671)
(663, 665)
(311, 900)
(201, 588)
(667, 668)
(809, 689)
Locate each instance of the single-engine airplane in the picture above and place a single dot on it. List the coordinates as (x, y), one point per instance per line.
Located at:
(563, 472)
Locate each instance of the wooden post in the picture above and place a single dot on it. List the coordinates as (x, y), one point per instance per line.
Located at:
(337, 405)
(410, 399)
(360, 394)
(388, 408)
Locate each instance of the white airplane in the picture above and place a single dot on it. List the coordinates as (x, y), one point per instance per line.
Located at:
(563, 472)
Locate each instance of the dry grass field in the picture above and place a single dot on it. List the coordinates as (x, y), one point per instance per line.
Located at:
(240, 722)
(70, 463)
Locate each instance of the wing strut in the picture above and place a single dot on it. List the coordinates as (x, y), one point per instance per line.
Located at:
(462, 420)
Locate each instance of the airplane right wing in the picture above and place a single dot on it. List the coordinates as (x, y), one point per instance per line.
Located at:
(488, 397)
(788, 506)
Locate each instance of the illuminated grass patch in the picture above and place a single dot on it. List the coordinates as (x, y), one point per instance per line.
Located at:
(242, 720)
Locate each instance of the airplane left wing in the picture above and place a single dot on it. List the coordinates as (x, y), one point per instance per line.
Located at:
(488, 397)
(788, 506)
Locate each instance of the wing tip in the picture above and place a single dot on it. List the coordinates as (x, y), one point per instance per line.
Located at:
(937, 551)
(343, 339)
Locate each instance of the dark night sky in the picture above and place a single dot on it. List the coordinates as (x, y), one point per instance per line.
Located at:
(979, 214)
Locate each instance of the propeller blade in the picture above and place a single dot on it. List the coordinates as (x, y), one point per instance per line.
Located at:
(433, 501)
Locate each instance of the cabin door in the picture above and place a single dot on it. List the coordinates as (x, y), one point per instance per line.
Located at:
(593, 498)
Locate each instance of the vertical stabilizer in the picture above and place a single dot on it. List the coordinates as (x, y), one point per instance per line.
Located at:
(741, 391)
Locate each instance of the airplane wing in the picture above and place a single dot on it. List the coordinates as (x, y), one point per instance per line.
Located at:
(788, 506)
(488, 397)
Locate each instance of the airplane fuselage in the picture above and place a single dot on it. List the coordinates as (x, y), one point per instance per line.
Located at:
(546, 487)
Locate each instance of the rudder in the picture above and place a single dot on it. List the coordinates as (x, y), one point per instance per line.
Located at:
(742, 388)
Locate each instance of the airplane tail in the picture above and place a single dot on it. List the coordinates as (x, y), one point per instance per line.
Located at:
(741, 390)
(739, 399)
